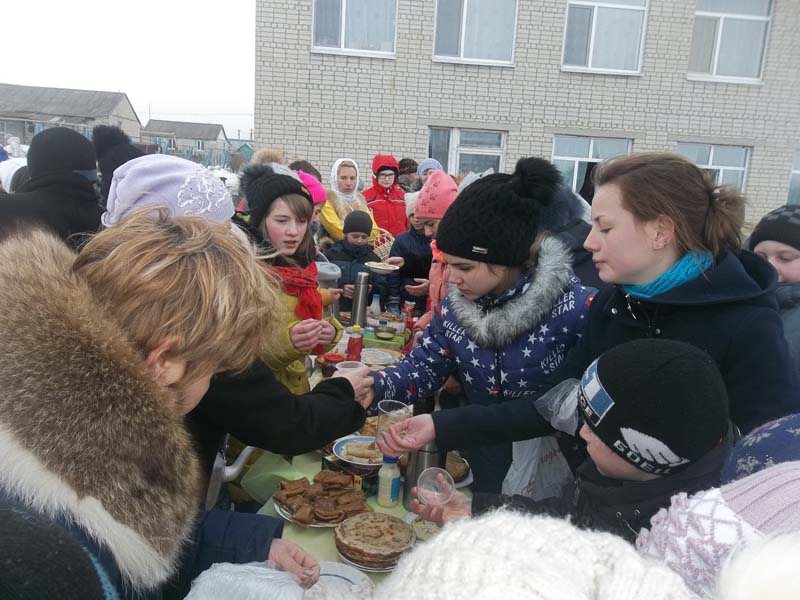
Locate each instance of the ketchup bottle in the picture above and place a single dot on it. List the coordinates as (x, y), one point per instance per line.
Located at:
(355, 344)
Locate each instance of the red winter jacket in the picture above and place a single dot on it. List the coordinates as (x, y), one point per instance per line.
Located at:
(388, 205)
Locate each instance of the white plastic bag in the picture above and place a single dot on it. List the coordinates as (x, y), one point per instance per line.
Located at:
(538, 470)
(251, 581)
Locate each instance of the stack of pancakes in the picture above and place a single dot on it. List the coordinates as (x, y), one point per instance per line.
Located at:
(374, 540)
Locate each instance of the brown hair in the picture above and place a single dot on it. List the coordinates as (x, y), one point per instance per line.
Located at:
(306, 167)
(182, 278)
(302, 209)
(707, 218)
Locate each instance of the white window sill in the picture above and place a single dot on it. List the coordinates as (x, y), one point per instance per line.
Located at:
(719, 79)
(472, 61)
(571, 69)
(349, 52)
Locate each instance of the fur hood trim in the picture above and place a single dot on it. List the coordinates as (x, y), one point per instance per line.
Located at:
(86, 436)
(343, 208)
(506, 322)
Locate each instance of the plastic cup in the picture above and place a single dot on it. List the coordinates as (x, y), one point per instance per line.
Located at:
(435, 486)
(348, 366)
(391, 412)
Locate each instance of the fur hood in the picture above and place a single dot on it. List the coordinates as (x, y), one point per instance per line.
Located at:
(343, 208)
(86, 436)
(509, 320)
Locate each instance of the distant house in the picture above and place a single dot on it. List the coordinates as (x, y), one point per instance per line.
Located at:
(202, 142)
(26, 110)
(244, 147)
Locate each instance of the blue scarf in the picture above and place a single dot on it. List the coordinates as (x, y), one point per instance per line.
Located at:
(691, 266)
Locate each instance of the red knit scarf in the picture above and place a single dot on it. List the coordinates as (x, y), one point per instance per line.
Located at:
(302, 284)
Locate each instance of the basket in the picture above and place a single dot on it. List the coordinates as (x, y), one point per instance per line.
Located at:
(382, 244)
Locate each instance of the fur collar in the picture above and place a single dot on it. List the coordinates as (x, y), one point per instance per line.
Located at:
(86, 435)
(506, 322)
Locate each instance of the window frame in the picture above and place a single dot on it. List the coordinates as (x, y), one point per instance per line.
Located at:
(341, 50)
(710, 166)
(712, 77)
(455, 149)
(473, 61)
(589, 159)
(200, 145)
(794, 171)
(594, 4)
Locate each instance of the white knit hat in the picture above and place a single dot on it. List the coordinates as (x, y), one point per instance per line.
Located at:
(511, 555)
(411, 203)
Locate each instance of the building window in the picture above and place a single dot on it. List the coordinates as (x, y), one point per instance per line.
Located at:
(200, 145)
(463, 150)
(727, 165)
(355, 26)
(171, 143)
(606, 36)
(576, 158)
(730, 38)
(475, 30)
(794, 181)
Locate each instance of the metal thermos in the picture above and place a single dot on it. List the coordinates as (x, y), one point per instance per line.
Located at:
(418, 461)
(358, 315)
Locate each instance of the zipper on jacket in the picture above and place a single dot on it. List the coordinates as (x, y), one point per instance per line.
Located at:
(497, 389)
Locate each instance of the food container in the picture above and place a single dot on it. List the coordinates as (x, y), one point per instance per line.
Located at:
(385, 332)
(329, 362)
(396, 322)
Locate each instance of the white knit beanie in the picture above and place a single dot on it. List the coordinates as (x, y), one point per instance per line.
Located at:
(511, 555)
(411, 203)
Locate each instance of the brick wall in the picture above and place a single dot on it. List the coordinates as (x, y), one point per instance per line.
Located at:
(324, 106)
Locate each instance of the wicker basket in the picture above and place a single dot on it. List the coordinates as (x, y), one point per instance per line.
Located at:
(382, 244)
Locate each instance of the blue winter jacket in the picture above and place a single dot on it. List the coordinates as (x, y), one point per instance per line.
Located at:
(502, 348)
(730, 311)
(415, 249)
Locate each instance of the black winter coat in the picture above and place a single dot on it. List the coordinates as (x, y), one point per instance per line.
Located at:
(351, 261)
(619, 507)
(63, 201)
(730, 312)
(260, 411)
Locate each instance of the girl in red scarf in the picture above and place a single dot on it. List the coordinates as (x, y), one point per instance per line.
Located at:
(280, 214)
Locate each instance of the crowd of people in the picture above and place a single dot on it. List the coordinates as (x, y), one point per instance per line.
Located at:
(622, 377)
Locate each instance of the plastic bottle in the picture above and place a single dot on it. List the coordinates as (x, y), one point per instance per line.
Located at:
(355, 344)
(389, 482)
(375, 307)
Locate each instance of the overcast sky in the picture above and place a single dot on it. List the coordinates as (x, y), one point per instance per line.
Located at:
(185, 60)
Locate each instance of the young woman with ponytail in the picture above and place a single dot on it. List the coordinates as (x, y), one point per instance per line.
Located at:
(668, 241)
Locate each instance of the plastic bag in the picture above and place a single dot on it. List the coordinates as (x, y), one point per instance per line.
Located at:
(251, 581)
(538, 470)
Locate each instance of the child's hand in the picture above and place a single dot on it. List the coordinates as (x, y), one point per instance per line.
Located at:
(458, 507)
(419, 290)
(305, 335)
(334, 294)
(327, 333)
(397, 261)
(347, 290)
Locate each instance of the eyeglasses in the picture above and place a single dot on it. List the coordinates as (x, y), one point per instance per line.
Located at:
(386, 176)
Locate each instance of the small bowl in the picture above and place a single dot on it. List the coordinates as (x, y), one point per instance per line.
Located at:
(385, 332)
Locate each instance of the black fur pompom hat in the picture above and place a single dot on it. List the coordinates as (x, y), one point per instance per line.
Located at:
(495, 219)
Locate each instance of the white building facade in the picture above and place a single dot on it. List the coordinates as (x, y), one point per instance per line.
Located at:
(481, 83)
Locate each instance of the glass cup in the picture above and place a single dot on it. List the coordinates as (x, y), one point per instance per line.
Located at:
(391, 412)
(348, 366)
(435, 486)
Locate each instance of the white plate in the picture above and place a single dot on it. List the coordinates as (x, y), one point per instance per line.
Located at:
(286, 515)
(337, 579)
(338, 451)
(375, 357)
(363, 568)
(381, 268)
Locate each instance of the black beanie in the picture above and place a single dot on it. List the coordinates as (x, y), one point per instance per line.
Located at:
(261, 186)
(61, 149)
(659, 404)
(495, 219)
(781, 225)
(358, 221)
(113, 149)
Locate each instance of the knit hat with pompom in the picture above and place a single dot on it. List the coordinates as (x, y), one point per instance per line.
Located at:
(495, 219)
